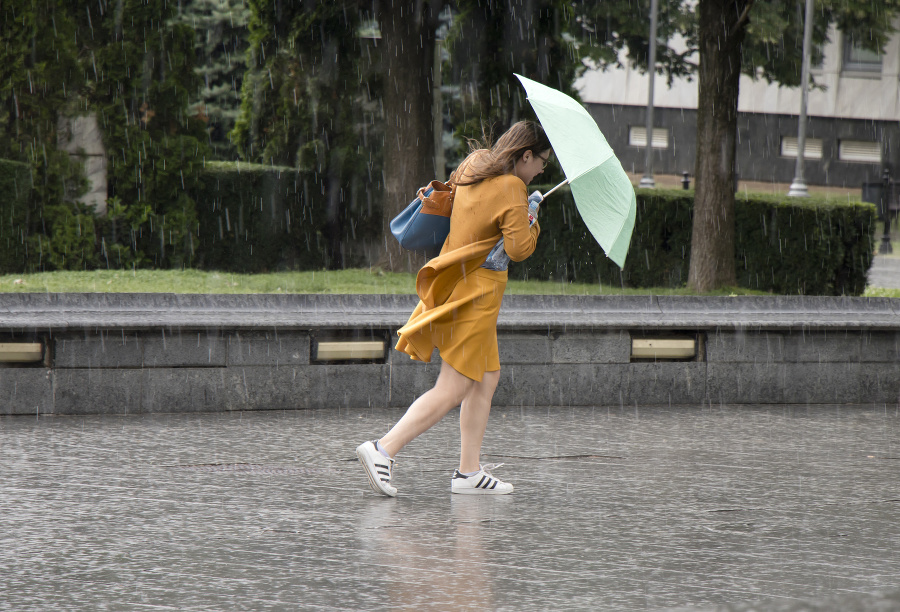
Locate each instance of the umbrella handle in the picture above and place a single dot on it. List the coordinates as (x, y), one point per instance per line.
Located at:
(565, 182)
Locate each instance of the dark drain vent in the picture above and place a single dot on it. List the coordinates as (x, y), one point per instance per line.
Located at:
(250, 468)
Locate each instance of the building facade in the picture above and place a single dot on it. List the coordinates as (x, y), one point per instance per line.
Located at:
(853, 129)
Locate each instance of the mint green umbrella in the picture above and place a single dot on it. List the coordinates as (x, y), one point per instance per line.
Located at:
(602, 191)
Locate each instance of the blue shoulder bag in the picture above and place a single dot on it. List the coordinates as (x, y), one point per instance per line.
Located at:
(425, 223)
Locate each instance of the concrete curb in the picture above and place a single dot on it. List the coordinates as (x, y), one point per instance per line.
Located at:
(56, 312)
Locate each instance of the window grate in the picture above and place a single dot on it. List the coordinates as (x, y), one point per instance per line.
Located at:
(790, 147)
(860, 151)
(637, 137)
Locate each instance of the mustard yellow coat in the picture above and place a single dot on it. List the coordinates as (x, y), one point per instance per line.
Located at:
(460, 300)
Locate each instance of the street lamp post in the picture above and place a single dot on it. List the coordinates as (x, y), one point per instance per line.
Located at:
(798, 187)
(647, 180)
(886, 248)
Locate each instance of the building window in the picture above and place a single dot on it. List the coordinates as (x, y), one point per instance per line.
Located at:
(637, 137)
(860, 151)
(858, 59)
(812, 150)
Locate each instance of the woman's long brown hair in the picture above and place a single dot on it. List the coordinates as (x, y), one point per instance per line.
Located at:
(485, 161)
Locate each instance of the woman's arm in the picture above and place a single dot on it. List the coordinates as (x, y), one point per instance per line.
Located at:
(519, 240)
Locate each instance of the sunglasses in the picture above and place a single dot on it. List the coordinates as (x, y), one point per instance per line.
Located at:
(544, 161)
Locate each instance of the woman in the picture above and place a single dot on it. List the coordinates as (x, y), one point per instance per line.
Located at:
(459, 305)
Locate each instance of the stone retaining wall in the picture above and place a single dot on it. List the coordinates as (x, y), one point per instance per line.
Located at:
(128, 353)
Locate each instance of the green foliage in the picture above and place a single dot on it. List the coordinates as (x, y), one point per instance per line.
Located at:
(307, 104)
(141, 87)
(15, 184)
(304, 84)
(611, 30)
(489, 42)
(126, 61)
(244, 212)
(775, 33)
(221, 46)
(35, 234)
(256, 218)
(39, 71)
(123, 225)
(70, 242)
(765, 36)
(39, 77)
(248, 218)
(807, 246)
(784, 245)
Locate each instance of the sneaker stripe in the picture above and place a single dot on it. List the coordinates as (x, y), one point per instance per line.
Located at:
(378, 473)
(481, 483)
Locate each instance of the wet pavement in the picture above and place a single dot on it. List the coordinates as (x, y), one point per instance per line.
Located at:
(614, 509)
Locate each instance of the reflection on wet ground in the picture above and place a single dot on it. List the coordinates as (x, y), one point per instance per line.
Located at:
(614, 509)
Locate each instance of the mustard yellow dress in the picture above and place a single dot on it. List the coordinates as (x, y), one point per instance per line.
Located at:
(460, 300)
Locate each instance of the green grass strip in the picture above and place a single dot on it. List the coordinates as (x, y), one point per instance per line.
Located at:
(322, 281)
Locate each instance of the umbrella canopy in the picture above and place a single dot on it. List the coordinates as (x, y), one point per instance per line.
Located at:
(601, 189)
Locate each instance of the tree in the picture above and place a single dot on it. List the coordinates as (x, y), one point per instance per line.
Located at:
(40, 77)
(221, 47)
(308, 102)
(323, 77)
(721, 32)
(341, 93)
(759, 37)
(408, 45)
(728, 41)
(140, 77)
(490, 42)
(125, 61)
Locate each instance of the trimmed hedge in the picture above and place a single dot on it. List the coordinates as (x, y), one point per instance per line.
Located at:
(15, 187)
(255, 218)
(811, 246)
(249, 218)
(783, 245)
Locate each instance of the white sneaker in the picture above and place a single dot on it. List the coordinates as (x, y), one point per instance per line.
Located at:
(378, 468)
(481, 483)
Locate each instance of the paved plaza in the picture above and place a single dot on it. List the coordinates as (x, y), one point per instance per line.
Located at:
(885, 272)
(615, 508)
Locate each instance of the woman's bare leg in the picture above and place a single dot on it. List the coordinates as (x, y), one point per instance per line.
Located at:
(473, 418)
(449, 390)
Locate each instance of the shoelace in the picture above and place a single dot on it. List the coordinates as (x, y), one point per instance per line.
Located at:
(487, 467)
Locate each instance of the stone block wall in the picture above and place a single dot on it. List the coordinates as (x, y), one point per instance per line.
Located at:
(799, 366)
(106, 355)
(121, 373)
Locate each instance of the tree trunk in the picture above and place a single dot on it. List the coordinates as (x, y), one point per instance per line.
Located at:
(408, 39)
(722, 29)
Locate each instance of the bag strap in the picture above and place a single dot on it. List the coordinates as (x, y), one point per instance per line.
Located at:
(451, 189)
